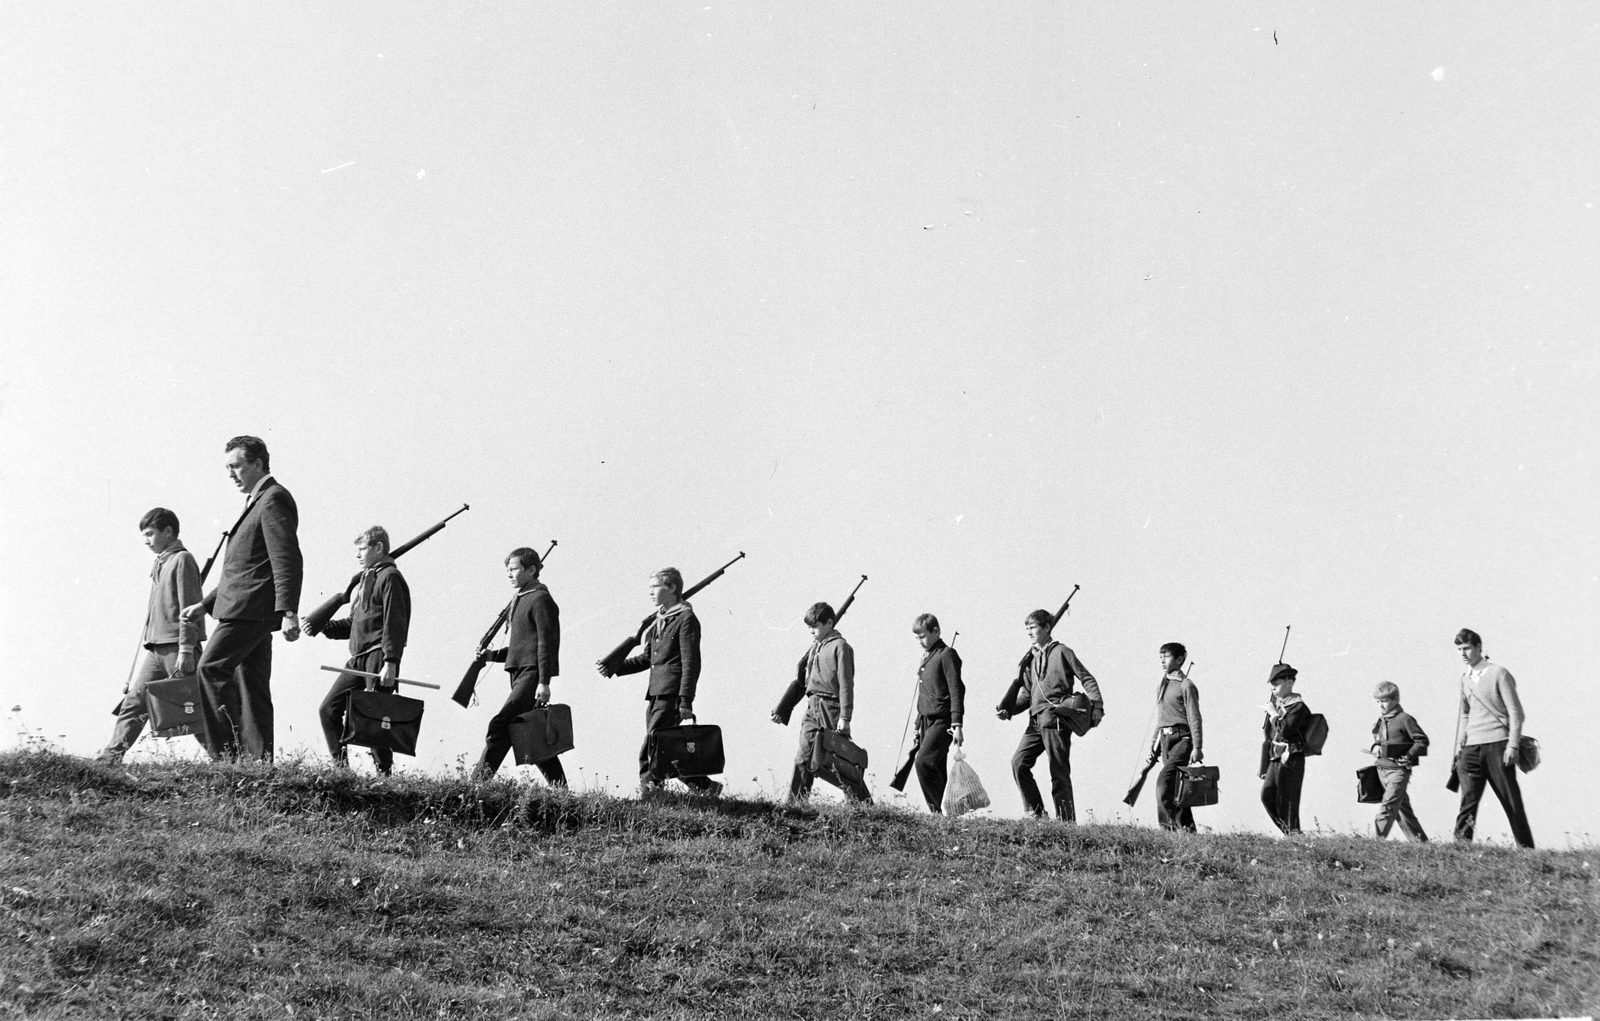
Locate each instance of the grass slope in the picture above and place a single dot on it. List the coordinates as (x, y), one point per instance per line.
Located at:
(192, 891)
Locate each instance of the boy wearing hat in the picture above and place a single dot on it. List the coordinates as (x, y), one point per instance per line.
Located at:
(1398, 742)
(1283, 758)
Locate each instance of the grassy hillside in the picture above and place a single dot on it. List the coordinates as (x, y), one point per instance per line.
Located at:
(187, 891)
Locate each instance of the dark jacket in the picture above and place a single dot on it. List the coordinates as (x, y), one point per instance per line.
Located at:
(174, 584)
(672, 654)
(535, 637)
(1286, 727)
(380, 614)
(261, 571)
(940, 691)
(1397, 735)
(1054, 683)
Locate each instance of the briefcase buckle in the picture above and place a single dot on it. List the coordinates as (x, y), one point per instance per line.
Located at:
(188, 708)
(386, 724)
(691, 747)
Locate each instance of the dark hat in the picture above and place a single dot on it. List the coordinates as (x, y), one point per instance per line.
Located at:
(1280, 671)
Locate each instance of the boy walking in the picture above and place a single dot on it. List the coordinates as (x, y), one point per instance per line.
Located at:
(1283, 756)
(1050, 671)
(941, 702)
(1179, 736)
(830, 700)
(1491, 723)
(379, 621)
(171, 642)
(532, 658)
(1398, 742)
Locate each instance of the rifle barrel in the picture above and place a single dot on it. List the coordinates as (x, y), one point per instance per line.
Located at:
(1063, 611)
(714, 576)
(404, 548)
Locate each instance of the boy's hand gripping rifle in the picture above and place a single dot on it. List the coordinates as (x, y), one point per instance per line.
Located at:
(796, 691)
(1007, 707)
(469, 680)
(613, 659)
(318, 619)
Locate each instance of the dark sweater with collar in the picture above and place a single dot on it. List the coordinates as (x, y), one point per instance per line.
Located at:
(672, 655)
(1398, 734)
(380, 613)
(535, 634)
(940, 691)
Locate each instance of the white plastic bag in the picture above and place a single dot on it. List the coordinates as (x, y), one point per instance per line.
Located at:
(964, 792)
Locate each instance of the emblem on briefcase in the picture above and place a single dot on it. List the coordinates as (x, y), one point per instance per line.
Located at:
(691, 747)
(386, 724)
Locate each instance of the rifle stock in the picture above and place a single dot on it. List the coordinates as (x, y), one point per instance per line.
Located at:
(612, 660)
(318, 618)
(903, 774)
(1138, 785)
(796, 691)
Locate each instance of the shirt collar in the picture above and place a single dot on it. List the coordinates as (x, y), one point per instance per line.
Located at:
(257, 487)
(176, 547)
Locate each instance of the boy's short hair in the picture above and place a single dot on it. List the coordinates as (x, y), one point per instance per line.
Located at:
(255, 449)
(820, 613)
(1467, 636)
(1386, 689)
(526, 558)
(672, 576)
(925, 622)
(375, 535)
(160, 519)
(1043, 618)
(1176, 649)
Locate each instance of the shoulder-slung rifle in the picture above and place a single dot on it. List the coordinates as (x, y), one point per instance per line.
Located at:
(1008, 702)
(469, 680)
(318, 619)
(797, 687)
(613, 659)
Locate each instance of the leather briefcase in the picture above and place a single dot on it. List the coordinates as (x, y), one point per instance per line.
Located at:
(174, 706)
(1076, 712)
(837, 759)
(541, 734)
(1197, 786)
(688, 751)
(1369, 789)
(377, 719)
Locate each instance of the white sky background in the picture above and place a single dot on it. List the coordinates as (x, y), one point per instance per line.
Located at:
(1235, 318)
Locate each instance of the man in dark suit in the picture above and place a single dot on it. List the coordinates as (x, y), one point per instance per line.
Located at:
(259, 593)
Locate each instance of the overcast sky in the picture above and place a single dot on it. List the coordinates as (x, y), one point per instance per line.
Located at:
(1235, 317)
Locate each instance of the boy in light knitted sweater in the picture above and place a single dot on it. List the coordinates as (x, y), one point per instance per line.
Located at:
(1491, 725)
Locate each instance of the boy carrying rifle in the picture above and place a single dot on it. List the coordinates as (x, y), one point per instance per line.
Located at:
(532, 658)
(1048, 674)
(171, 642)
(941, 702)
(1178, 736)
(377, 626)
(1283, 750)
(830, 672)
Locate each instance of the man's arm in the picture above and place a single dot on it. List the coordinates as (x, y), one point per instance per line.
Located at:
(689, 657)
(280, 520)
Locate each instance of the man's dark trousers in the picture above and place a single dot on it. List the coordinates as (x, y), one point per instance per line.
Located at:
(236, 689)
(1280, 792)
(1480, 762)
(932, 771)
(523, 698)
(661, 713)
(337, 701)
(1175, 748)
(1054, 741)
(821, 714)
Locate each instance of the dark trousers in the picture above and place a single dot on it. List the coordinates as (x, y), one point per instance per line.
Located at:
(159, 663)
(659, 714)
(236, 689)
(1280, 792)
(933, 745)
(1480, 762)
(333, 707)
(523, 697)
(1175, 749)
(821, 714)
(1054, 742)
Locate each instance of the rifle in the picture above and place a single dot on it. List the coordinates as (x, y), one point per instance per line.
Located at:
(613, 659)
(797, 687)
(1012, 692)
(377, 677)
(469, 680)
(1138, 785)
(212, 559)
(903, 774)
(318, 619)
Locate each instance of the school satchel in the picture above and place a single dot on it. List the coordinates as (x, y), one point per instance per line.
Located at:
(174, 706)
(1076, 712)
(837, 759)
(1197, 786)
(1369, 789)
(377, 719)
(1316, 734)
(688, 751)
(541, 734)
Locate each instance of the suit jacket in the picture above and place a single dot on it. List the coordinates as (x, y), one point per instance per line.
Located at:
(380, 614)
(672, 654)
(535, 640)
(261, 571)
